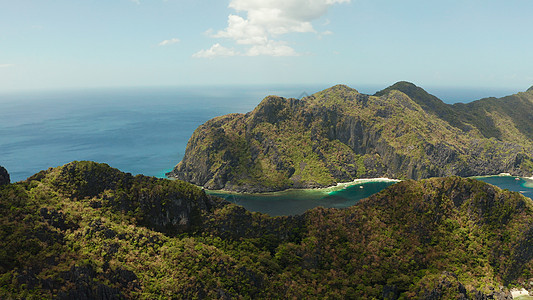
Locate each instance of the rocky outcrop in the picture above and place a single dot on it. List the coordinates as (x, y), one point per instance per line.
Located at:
(338, 135)
(166, 206)
(4, 176)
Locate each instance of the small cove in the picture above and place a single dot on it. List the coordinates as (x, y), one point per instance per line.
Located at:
(292, 202)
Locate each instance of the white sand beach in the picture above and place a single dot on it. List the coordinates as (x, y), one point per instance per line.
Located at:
(519, 293)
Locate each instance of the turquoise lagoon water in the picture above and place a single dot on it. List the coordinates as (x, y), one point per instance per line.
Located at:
(515, 184)
(145, 131)
(293, 202)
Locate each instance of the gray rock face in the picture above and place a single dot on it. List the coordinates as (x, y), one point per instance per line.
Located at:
(341, 135)
(159, 204)
(4, 176)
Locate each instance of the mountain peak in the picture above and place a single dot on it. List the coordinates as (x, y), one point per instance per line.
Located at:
(341, 88)
(530, 89)
(269, 108)
(428, 102)
(338, 135)
(335, 95)
(403, 86)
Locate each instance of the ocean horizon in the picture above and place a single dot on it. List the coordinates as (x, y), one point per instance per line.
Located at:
(137, 130)
(140, 131)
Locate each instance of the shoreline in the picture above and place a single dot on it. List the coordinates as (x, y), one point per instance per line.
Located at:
(343, 185)
(326, 190)
(497, 175)
(527, 184)
(519, 293)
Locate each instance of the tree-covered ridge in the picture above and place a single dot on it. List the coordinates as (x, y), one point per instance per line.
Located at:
(507, 119)
(338, 135)
(440, 238)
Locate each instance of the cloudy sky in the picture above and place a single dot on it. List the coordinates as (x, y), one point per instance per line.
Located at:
(105, 43)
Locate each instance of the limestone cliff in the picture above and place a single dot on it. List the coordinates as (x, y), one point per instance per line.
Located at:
(339, 134)
(4, 176)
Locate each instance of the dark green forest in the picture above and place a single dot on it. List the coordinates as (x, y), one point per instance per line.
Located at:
(87, 231)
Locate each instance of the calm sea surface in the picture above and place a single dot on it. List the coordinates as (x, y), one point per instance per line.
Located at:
(298, 201)
(145, 131)
(293, 202)
(137, 130)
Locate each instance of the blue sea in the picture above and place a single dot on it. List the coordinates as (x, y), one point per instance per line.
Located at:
(145, 131)
(137, 130)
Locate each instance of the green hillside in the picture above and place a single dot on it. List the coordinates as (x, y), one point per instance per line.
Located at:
(88, 231)
(338, 135)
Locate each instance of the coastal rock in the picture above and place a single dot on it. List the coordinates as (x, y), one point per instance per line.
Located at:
(338, 135)
(166, 206)
(4, 176)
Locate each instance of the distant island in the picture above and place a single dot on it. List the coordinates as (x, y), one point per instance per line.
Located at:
(88, 231)
(338, 135)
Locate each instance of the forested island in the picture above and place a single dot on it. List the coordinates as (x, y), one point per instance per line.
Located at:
(338, 135)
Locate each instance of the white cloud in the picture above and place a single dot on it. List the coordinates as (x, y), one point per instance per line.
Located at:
(243, 31)
(215, 51)
(169, 42)
(324, 33)
(272, 48)
(6, 65)
(267, 20)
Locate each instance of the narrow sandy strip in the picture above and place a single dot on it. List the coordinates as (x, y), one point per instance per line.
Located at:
(517, 293)
(339, 186)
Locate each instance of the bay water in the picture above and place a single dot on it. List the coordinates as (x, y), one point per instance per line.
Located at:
(292, 202)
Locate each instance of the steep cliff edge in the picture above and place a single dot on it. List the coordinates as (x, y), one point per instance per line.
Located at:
(162, 205)
(4, 176)
(338, 135)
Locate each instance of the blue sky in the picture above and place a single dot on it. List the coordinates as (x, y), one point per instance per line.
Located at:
(60, 44)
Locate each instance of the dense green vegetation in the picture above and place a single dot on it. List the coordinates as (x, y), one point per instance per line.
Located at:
(507, 119)
(86, 230)
(338, 135)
